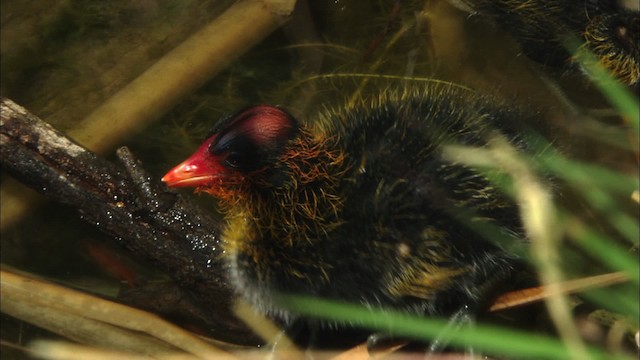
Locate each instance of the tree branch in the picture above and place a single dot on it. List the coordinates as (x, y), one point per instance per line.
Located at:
(157, 225)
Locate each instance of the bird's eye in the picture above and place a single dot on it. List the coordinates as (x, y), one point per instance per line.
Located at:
(233, 160)
(237, 151)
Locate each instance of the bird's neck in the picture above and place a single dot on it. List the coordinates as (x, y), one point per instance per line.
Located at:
(295, 200)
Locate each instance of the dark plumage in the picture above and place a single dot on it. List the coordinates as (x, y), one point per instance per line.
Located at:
(361, 206)
(543, 28)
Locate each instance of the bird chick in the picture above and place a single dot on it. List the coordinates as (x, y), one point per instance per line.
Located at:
(606, 28)
(361, 205)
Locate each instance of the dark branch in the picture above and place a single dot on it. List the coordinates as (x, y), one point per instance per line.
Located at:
(155, 224)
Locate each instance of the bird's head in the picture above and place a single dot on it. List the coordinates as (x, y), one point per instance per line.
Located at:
(240, 147)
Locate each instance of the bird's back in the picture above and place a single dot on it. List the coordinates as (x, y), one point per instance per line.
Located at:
(408, 235)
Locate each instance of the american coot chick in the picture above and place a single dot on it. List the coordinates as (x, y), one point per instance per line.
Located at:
(607, 28)
(361, 206)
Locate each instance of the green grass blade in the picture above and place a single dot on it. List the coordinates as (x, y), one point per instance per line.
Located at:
(486, 338)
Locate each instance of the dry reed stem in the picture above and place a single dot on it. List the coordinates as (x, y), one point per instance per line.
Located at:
(527, 296)
(281, 345)
(95, 321)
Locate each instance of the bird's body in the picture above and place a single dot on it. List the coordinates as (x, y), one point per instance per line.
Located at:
(362, 206)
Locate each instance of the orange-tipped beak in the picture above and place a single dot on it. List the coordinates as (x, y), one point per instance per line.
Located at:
(200, 169)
